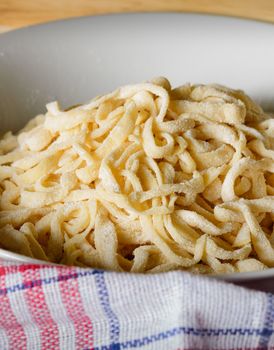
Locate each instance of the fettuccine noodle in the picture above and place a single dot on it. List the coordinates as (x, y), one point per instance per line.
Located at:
(145, 179)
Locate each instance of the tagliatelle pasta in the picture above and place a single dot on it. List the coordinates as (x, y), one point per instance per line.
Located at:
(145, 179)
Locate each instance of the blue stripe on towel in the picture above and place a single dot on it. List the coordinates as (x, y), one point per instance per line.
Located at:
(111, 316)
(190, 331)
(268, 326)
(38, 283)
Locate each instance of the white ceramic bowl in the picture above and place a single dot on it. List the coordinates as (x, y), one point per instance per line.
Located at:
(74, 60)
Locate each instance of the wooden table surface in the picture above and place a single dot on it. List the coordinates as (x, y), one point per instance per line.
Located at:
(20, 13)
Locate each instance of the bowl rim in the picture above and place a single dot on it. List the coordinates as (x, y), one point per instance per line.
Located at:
(230, 277)
(135, 14)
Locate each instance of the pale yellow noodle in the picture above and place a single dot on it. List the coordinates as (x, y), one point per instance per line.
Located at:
(145, 179)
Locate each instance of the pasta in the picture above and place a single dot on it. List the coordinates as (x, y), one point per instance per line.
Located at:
(145, 179)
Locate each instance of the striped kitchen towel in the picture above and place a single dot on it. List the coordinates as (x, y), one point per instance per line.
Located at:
(45, 307)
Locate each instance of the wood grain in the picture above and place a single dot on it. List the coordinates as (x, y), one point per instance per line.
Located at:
(19, 13)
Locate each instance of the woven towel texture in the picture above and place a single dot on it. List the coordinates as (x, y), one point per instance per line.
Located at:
(45, 307)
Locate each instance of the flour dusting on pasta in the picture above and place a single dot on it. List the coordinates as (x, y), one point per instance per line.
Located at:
(144, 179)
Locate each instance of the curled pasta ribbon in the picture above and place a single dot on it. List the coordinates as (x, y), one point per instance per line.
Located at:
(148, 178)
(239, 168)
(150, 146)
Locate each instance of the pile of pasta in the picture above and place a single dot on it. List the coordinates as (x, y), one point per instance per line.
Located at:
(145, 179)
